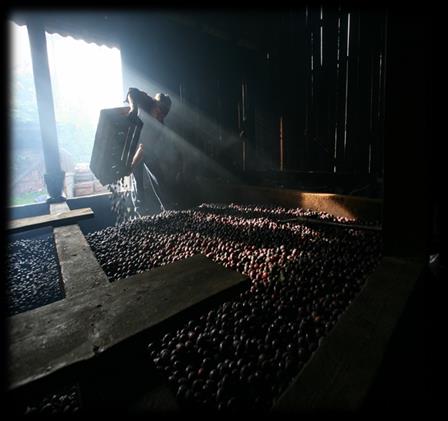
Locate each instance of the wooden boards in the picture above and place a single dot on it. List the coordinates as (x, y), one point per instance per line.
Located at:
(334, 204)
(339, 375)
(57, 335)
(55, 219)
(79, 268)
(305, 220)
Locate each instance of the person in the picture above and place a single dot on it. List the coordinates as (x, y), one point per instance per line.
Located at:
(149, 166)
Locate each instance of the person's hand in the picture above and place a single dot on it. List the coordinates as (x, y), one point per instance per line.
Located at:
(138, 156)
(133, 108)
(133, 112)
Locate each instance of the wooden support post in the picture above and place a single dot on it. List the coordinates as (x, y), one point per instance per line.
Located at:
(54, 177)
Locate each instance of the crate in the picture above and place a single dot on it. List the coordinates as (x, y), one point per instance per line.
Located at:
(98, 187)
(80, 177)
(116, 141)
(85, 188)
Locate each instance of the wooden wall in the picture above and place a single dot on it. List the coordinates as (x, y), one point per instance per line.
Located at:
(308, 88)
(319, 70)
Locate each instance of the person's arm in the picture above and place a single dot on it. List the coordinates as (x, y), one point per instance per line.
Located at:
(138, 156)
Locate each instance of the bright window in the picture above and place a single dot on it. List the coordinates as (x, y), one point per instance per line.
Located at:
(85, 78)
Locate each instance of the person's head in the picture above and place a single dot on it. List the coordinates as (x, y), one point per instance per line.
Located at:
(163, 106)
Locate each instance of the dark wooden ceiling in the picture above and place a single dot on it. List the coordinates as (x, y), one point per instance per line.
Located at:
(253, 30)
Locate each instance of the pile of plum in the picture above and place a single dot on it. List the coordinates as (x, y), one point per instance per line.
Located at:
(243, 354)
(64, 401)
(33, 280)
(33, 276)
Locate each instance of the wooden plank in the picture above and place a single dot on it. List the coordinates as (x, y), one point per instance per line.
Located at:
(342, 87)
(354, 106)
(57, 219)
(246, 64)
(325, 90)
(331, 223)
(340, 373)
(80, 269)
(334, 204)
(368, 35)
(378, 151)
(312, 130)
(378, 82)
(76, 329)
(330, 57)
(56, 208)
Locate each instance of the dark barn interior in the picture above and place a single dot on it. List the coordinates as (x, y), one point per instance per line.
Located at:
(299, 242)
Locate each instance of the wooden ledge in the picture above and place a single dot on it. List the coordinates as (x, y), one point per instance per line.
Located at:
(55, 219)
(60, 334)
(340, 373)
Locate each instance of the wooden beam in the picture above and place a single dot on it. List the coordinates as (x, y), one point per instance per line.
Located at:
(44, 96)
(330, 72)
(342, 87)
(80, 269)
(334, 204)
(54, 177)
(331, 223)
(56, 219)
(74, 330)
(339, 375)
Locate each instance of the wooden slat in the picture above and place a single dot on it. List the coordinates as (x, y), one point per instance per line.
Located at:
(326, 40)
(334, 224)
(339, 375)
(46, 339)
(57, 219)
(334, 204)
(341, 99)
(330, 45)
(378, 117)
(354, 107)
(313, 150)
(246, 65)
(368, 27)
(80, 269)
